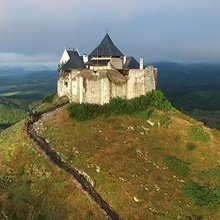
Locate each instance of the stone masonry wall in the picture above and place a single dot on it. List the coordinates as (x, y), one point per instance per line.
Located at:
(140, 82)
(63, 86)
(81, 89)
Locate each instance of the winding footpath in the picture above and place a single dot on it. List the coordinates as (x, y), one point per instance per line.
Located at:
(57, 160)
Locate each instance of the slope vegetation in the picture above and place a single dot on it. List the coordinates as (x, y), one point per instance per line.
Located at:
(31, 187)
(157, 165)
(146, 164)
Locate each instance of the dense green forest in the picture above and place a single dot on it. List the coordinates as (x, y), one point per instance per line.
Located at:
(193, 89)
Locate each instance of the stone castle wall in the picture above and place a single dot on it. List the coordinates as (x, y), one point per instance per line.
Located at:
(82, 89)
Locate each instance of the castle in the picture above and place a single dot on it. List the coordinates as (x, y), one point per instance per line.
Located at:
(104, 74)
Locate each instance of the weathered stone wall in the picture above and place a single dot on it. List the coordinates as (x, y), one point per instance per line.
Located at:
(92, 91)
(74, 90)
(82, 89)
(63, 86)
(117, 63)
(140, 82)
(118, 90)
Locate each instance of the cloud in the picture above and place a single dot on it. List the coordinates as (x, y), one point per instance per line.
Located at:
(138, 27)
(16, 57)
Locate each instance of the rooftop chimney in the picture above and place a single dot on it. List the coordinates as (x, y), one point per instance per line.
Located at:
(141, 64)
(85, 58)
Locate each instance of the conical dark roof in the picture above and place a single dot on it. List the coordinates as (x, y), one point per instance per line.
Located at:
(106, 49)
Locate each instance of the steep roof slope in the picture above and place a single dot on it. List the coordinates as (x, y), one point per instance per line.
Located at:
(72, 53)
(106, 48)
(131, 63)
(75, 62)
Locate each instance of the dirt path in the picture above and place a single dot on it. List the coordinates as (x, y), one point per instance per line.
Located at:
(57, 160)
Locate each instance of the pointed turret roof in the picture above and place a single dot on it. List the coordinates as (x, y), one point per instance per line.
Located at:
(106, 49)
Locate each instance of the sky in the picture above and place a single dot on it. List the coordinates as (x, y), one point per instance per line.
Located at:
(157, 30)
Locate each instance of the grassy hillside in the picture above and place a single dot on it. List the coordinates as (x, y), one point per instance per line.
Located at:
(33, 188)
(148, 164)
(11, 111)
(162, 165)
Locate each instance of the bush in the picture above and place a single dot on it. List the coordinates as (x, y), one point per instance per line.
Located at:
(202, 195)
(196, 133)
(82, 112)
(190, 146)
(179, 167)
(158, 100)
(119, 106)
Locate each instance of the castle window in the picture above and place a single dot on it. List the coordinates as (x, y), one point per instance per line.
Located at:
(66, 84)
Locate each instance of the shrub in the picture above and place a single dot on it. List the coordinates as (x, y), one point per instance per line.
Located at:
(119, 106)
(82, 112)
(179, 167)
(196, 133)
(190, 146)
(201, 195)
(158, 100)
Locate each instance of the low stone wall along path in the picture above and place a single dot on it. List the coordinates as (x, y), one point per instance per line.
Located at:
(57, 160)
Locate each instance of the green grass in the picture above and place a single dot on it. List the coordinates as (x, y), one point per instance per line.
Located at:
(10, 115)
(213, 173)
(48, 102)
(202, 195)
(31, 187)
(178, 166)
(196, 133)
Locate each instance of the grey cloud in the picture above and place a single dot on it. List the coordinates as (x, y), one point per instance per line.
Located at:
(170, 29)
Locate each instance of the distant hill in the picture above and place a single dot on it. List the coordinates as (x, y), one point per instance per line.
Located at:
(18, 91)
(28, 86)
(174, 76)
(192, 88)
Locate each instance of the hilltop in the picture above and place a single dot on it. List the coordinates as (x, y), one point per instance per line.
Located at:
(152, 164)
